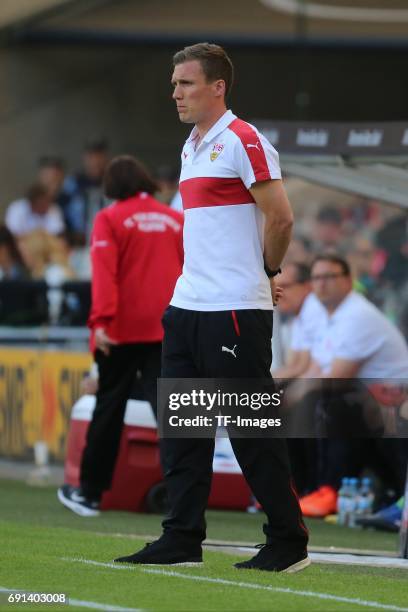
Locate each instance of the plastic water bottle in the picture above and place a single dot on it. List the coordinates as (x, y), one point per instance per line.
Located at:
(342, 501)
(365, 499)
(352, 502)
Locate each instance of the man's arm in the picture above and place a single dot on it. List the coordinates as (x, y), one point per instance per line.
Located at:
(271, 198)
(104, 256)
(297, 364)
(340, 368)
(343, 368)
(313, 371)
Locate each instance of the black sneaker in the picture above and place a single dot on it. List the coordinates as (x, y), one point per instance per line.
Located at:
(166, 552)
(73, 498)
(270, 561)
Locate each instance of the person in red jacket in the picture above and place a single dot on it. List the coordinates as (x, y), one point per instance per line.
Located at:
(137, 256)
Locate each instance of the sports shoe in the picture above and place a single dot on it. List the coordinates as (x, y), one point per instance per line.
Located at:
(269, 560)
(320, 503)
(388, 519)
(166, 551)
(73, 498)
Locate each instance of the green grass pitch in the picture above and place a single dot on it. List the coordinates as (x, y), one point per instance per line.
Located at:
(46, 548)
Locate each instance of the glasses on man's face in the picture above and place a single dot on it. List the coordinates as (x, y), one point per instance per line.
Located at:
(324, 277)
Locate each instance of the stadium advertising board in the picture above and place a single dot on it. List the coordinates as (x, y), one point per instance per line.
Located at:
(389, 138)
(37, 391)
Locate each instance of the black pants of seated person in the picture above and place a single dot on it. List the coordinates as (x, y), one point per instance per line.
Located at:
(387, 458)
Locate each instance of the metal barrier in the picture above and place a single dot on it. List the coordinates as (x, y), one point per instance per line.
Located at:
(69, 338)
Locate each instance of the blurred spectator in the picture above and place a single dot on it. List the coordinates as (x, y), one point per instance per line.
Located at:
(167, 178)
(365, 214)
(353, 340)
(84, 192)
(328, 229)
(35, 212)
(12, 266)
(300, 249)
(363, 263)
(298, 301)
(51, 174)
(41, 250)
(393, 240)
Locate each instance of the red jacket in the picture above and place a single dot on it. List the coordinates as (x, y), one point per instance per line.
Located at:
(137, 256)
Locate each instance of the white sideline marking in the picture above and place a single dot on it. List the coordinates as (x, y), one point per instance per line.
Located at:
(97, 606)
(115, 566)
(249, 585)
(81, 603)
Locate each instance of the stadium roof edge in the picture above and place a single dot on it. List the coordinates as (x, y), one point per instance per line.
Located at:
(383, 180)
(123, 37)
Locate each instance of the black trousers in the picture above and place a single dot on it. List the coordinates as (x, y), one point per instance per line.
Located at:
(192, 348)
(338, 458)
(117, 373)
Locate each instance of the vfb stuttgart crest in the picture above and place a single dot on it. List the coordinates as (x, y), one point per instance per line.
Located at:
(217, 148)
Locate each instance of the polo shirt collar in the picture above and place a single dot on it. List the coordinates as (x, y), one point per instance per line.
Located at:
(222, 123)
(343, 304)
(218, 127)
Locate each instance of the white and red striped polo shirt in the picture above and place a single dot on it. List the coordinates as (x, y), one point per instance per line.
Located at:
(223, 228)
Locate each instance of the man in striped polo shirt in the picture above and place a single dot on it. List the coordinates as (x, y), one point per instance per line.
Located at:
(219, 324)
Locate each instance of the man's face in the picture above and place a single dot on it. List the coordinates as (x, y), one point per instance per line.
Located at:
(328, 232)
(330, 284)
(194, 96)
(41, 205)
(95, 163)
(294, 292)
(52, 177)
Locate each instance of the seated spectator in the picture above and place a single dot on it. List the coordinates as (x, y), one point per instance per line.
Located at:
(167, 178)
(41, 250)
(298, 301)
(301, 304)
(392, 239)
(328, 229)
(51, 174)
(353, 340)
(362, 260)
(34, 212)
(84, 192)
(300, 249)
(12, 266)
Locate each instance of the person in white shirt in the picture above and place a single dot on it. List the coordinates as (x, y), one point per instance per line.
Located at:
(237, 227)
(354, 340)
(298, 300)
(34, 212)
